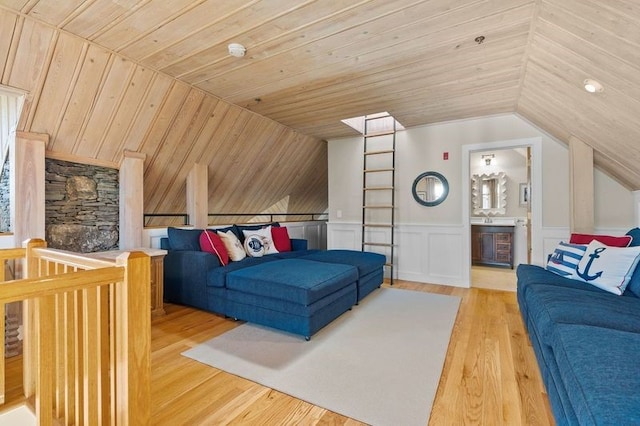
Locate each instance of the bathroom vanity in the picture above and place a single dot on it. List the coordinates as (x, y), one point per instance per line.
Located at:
(492, 245)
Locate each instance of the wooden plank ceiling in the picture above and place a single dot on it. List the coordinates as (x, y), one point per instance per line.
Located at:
(311, 63)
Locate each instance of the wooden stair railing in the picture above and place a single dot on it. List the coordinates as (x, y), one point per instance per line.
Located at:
(87, 335)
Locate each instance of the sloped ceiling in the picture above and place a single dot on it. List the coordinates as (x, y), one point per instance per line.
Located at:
(311, 63)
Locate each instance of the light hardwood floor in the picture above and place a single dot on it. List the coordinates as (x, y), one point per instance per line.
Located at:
(490, 375)
(493, 278)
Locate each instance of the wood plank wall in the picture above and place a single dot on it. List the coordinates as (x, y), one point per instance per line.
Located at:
(95, 104)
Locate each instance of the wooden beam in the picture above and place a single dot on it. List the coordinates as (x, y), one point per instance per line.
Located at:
(198, 196)
(581, 186)
(131, 200)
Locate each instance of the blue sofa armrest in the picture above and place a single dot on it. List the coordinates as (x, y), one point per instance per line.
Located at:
(185, 277)
(298, 244)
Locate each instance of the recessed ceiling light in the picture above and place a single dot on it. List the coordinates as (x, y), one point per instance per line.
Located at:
(592, 86)
(237, 50)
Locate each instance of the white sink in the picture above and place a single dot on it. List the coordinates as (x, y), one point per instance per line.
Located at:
(493, 221)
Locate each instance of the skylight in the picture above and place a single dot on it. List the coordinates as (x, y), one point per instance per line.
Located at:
(357, 123)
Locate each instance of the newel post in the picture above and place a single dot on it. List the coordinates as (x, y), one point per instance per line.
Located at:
(133, 340)
(29, 350)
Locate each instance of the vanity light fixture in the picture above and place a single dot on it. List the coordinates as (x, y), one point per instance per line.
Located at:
(592, 86)
(487, 158)
(237, 50)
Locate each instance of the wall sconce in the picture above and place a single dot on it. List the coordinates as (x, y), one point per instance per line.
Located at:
(487, 158)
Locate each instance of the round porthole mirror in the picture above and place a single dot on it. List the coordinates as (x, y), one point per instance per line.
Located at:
(430, 189)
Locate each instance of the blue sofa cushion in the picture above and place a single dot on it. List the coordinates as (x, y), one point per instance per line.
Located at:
(184, 239)
(217, 277)
(599, 368)
(295, 280)
(298, 244)
(293, 254)
(634, 284)
(635, 237)
(553, 305)
(366, 262)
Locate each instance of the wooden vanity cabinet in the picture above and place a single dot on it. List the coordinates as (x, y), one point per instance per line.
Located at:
(492, 245)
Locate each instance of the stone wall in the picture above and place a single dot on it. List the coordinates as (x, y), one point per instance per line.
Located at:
(5, 201)
(81, 206)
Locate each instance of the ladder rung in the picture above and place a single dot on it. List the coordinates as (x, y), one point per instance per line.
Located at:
(378, 188)
(380, 133)
(378, 244)
(389, 265)
(378, 170)
(385, 151)
(377, 207)
(376, 225)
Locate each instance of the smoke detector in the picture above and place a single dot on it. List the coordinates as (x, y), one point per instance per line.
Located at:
(237, 50)
(592, 86)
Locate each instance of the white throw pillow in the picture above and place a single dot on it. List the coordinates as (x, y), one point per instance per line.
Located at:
(254, 246)
(233, 245)
(608, 268)
(267, 239)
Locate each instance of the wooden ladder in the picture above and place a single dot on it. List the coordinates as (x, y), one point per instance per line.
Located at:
(378, 191)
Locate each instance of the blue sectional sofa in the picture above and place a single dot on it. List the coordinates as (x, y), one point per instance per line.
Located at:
(299, 291)
(587, 342)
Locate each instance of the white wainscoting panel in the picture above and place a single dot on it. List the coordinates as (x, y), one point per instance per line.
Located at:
(444, 256)
(344, 236)
(423, 253)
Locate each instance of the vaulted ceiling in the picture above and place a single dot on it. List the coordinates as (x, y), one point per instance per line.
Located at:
(311, 63)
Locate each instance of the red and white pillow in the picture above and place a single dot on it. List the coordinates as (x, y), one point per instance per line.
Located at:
(212, 243)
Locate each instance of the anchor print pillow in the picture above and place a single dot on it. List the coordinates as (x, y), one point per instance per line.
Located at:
(565, 258)
(608, 268)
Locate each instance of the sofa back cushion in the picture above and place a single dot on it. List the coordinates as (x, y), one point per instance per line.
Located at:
(633, 288)
(184, 239)
(212, 243)
(635, 237)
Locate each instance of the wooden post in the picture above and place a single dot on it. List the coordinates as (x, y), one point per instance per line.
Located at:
(131, 200)
(27, 185)
(581, 186)
(198, 196)
(2, 333)
(30, 331)
(44, 316)
(133, 341)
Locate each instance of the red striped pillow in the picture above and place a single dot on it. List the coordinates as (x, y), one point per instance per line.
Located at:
(212, 243)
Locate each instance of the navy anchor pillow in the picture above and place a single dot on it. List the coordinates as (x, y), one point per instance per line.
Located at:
(608, 268)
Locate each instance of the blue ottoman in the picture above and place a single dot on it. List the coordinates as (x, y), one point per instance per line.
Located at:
(294, 295)
(370, 266)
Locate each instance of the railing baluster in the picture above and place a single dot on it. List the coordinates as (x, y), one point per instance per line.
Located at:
(87, 336)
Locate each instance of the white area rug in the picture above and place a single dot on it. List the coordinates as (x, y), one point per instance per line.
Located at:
(379, 363)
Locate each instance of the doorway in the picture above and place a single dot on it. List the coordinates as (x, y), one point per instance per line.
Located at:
(515, 165)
